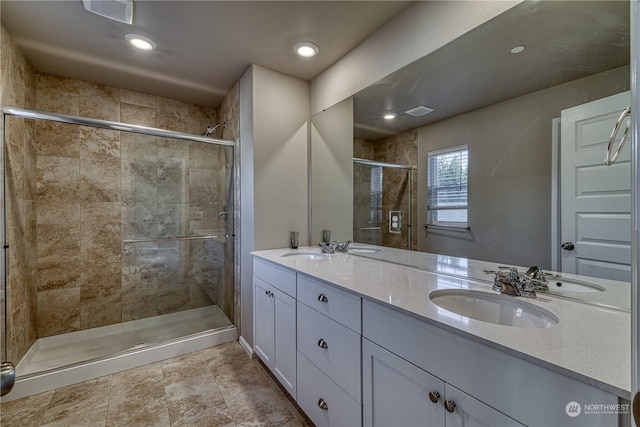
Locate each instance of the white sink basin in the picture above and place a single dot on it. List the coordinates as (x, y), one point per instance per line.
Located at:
(312, 256)
(494, 308)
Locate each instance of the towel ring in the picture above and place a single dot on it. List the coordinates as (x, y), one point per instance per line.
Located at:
(608, 158)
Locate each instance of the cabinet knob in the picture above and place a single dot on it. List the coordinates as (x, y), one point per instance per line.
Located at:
(322, 404)
(434, 396)
(268, 293)
(323, 298)
(449, 405)
(322, 343)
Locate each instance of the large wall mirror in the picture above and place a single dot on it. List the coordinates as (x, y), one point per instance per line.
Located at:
(532, 95)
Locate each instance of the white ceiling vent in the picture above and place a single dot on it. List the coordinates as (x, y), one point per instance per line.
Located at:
(118, 10)
(420, 110)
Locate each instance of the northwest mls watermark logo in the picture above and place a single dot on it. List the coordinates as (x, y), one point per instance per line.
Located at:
(573, 409)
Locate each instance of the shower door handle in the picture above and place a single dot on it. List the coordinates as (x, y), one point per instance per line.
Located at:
(7, 377)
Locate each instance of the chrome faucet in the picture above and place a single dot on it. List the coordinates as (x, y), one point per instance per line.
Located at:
(329, 248)
(512, 282)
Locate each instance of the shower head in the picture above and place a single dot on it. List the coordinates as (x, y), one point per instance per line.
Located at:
(211, 130)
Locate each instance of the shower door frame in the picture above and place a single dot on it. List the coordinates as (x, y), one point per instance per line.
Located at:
(121, 127)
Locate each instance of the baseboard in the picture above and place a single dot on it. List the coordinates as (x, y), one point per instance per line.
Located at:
(246, 347)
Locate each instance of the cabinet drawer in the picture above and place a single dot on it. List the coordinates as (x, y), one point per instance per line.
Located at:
(332, 347)
(341, 306)
(341, 410)
(277, 276)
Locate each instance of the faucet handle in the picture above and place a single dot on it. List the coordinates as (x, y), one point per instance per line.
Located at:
(507, 287)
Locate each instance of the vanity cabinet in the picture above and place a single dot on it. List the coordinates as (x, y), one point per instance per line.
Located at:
(485, 383)
(352, 360)
(398, 393)
(274, 306)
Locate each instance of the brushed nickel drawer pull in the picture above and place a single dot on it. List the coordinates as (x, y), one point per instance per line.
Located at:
(322, 404)
(322, 343)
(323, 298)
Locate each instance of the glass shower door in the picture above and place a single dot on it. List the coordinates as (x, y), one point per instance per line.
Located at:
(177, 258)
(382, 204)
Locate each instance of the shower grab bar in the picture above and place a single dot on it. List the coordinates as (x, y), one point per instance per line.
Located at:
(165, 239)
(448, 227)
(106, 124)
(608, 158)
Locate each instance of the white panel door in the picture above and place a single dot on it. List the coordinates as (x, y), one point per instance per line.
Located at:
(595, 200)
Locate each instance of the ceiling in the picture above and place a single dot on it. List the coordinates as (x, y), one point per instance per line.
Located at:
(204, 47)
(565, 41)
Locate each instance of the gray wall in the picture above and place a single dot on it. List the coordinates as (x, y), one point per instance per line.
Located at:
(509, 172)
(332, 172)
(274, 128)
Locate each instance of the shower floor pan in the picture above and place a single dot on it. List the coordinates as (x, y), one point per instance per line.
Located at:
(75, 347)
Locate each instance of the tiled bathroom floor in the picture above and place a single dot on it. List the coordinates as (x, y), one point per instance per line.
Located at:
(218, 386)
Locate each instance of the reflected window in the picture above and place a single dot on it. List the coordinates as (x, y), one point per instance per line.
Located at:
(447, 184)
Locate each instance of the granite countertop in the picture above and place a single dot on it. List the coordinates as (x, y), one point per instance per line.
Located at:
(590, 344)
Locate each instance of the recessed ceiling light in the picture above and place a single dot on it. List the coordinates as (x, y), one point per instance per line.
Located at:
(518, 49)
(306, 49)
(140, 42)
(389, 116)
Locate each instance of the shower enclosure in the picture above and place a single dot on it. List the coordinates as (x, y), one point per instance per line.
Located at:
(117, 238)
(382, 204)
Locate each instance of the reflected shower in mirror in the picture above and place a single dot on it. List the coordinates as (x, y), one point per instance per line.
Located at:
(514, 109)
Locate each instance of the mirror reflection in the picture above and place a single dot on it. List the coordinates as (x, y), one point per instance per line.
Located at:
(532, 95)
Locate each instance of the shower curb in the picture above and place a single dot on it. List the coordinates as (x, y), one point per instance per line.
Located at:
(132, 359)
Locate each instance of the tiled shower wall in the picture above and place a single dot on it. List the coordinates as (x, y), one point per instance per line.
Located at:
(69, 187)
(18, 90)
(398, 149)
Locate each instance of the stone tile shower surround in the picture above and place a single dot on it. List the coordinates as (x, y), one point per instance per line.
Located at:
(17, 85)
(67, 267)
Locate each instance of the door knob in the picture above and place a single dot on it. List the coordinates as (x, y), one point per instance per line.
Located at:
(567, 246)
(8, 377)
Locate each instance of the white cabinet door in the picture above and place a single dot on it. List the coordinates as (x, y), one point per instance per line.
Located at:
(263, 321)
(274, 329)
(397, 393)
(284, 365)
(463, 410)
